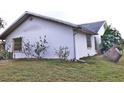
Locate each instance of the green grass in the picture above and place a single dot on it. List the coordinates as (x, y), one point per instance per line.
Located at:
(97, 69)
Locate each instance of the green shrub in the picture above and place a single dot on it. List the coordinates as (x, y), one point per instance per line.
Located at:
(6, 55)
(111, 37)
(63, 52)
(41, 47)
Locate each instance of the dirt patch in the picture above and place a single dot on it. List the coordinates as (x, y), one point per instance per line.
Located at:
(5, 62)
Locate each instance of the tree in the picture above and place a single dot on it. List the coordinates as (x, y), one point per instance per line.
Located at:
(2, 23)
(111, 37)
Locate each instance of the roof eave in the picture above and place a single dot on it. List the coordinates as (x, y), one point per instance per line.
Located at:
(21, 19)
(87, 31)
(14, 25)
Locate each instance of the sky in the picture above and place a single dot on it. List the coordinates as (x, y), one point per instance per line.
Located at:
(74, 11)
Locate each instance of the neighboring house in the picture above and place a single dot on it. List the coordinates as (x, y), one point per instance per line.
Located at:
(78, 38)
(97, 27)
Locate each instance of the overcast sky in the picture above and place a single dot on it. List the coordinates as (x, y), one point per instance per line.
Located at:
(75, 11)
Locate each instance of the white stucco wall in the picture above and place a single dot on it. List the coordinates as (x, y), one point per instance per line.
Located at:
(81, 46)
(100, 33)
(56, 35)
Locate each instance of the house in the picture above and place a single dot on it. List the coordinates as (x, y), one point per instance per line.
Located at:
(80, 39)
(97, 27)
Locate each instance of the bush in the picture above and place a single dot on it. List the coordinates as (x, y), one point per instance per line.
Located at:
(111, 37)
(6, 55)
(40, 47)
(28, 49)
(62, 53)
(37, 49)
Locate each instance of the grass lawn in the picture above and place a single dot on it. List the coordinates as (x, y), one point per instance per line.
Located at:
(97, 69)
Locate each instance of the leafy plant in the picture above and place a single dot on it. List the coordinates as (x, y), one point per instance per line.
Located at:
(111, 37)
(36, 49)
(40, 47)
(28, 49)
(62, 52)
(6, 55)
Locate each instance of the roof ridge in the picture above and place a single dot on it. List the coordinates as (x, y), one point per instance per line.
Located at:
(50, 18)
(93, 22)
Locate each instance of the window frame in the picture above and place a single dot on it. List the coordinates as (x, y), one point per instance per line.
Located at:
(95, 41)
(19, 48)
(89, 41)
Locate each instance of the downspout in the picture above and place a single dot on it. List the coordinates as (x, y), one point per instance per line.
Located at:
(74, 34)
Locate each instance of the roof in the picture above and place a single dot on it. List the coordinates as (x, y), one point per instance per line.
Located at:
(26, 15)
(94, 26)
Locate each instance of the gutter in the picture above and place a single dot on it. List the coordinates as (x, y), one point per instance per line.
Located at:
(74, 34)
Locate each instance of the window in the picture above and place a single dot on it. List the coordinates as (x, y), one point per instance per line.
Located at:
(88, 41)
(17, 44)
(95, 43)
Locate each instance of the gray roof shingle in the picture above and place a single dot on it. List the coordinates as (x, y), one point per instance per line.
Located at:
(94, 26)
